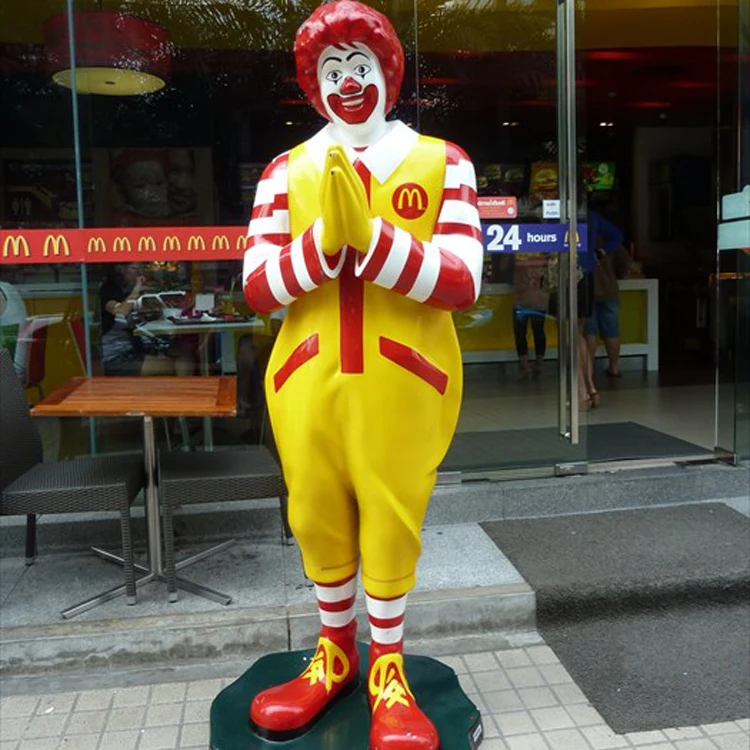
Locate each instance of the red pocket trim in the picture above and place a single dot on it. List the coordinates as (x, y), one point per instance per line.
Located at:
(414, 362)
(308, 349)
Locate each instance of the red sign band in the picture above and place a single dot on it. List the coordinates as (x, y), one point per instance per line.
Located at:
(113, 245)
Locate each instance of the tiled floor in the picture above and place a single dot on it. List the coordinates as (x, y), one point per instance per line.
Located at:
(495, 400)
(528, 701)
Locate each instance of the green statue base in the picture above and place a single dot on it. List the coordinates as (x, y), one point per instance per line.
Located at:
(347, 726)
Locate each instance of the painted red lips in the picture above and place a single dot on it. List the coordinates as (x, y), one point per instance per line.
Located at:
(355, 109)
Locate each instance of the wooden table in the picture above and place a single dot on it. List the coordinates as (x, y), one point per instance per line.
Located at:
(145, 397)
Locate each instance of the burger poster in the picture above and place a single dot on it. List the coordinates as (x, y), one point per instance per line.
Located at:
(543, 182)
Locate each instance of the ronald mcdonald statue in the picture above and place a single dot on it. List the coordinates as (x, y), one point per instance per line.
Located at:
(369, 235)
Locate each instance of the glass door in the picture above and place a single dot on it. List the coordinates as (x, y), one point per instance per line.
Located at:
(733, 277)
(499, 80)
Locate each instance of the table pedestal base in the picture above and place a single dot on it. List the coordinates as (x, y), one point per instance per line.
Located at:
(347, 726)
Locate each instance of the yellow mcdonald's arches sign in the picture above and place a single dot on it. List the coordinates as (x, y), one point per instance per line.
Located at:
(16, 246)
(567, 238)
(242, 242)
(196, 242)
(55, 244)
(122, 245)
(171, 244)
(146, 245)
(96, 245)
(220, 242)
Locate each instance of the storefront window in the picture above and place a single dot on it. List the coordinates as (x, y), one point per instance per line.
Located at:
(140, 156)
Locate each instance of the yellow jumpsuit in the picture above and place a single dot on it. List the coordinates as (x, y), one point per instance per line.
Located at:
(360, 449)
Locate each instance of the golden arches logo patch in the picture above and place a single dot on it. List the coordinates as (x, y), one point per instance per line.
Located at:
(146, 245)
(410, 200)
(16, 247)
(56, 245)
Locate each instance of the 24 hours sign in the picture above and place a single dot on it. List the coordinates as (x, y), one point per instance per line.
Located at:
(530, 238)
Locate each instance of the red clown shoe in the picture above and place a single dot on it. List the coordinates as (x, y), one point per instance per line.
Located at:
(397, 721)
(289, 710)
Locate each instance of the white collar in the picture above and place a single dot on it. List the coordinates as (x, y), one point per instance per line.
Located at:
(382, 158)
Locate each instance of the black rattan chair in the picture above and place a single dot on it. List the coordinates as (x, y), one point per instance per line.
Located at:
(246, 473)
(218, 476)
(30, 487)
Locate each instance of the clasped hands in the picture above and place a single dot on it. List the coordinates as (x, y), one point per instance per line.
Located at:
(344, 207)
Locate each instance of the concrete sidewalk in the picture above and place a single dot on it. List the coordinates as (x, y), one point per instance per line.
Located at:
(527, 698)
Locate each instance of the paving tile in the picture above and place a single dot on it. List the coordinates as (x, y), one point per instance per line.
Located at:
(481, 662)
(555, 674)
(58, 703)
(197, 711)
(569, 694)
(488, 723)
(46, 726)
(159, 738)
(127, 740)
(80, 742)
(203, 689)
(527, 742)
(726, 727)
(552, 718)
(739, 741)
(584, 715)
(489, 681)
(12, 729)
(164, 714)
(494, 744)
(503, 700)
(18, 706)
(169, 693)
(40, 743)
(132, 696)
(743, 724)
(514, 722)
(538, 697)
(603, 738)
(645, 738)
(683, 733)
(542, 655)
(128, 717)
(195, 735)
(524, 677)
(514, 658)
(9, 745)
(86, 722)
(93, 700)
(566, 739)
(468, 684)
(699, 744)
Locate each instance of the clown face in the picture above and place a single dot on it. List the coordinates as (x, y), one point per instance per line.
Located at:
(352, 86)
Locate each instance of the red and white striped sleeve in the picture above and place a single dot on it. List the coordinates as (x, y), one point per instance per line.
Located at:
(445, 272)
(277, 270)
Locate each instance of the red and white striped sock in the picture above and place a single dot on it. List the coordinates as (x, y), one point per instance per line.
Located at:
(387, 623)
(336, 602)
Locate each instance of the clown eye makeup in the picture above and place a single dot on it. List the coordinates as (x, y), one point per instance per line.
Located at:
(334, 76)
(362, 70)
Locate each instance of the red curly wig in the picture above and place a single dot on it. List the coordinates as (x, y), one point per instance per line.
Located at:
(344, 22)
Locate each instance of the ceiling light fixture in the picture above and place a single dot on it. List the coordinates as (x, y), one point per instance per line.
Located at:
(115, 54)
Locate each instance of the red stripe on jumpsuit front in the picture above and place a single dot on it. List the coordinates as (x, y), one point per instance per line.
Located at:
(352, 301)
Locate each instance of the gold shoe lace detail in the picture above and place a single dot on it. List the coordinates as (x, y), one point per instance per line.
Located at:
(323, 666)
(388, 682)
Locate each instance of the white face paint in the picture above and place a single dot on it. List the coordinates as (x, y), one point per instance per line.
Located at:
(352, 87)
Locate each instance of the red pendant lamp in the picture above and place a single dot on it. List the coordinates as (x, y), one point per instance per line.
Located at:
(115, 54)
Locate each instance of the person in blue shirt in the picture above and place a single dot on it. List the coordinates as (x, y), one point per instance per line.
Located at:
(603, 238)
